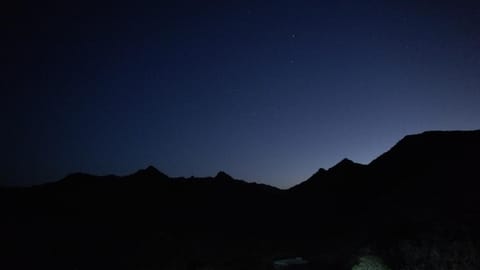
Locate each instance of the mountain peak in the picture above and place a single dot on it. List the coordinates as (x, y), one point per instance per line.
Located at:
(221, 175)
(151, 168)
(150, 171)
(344, 163)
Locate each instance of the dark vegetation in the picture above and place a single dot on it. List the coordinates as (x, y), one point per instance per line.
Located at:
(416, 207)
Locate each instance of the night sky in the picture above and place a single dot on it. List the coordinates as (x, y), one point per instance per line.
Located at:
(268, 91)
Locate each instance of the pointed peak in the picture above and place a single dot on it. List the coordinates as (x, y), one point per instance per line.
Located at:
(150, 171)
(151, 168)
(344, 163)
(221, 175)
(318, 174)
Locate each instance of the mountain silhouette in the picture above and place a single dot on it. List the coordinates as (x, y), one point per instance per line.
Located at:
(150, 172)
(221, 175)
(425, 187)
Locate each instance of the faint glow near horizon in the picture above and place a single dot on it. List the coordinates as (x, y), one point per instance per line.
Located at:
(194, 89)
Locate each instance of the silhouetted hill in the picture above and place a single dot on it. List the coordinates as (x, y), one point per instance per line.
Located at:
(432, 151)
(431, 174)
(221, 175)
(336, 177)
(148, 220)
(440, 163)
(149, 172)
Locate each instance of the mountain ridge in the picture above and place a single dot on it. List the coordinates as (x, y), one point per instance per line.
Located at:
(424, 182)
(409, 143)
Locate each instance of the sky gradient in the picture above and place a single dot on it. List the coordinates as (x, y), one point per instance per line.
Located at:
(268, 92)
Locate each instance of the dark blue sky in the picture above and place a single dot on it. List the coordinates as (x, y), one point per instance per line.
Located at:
(268, 92)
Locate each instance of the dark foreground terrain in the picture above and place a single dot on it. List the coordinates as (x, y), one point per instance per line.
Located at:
(414, 207)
